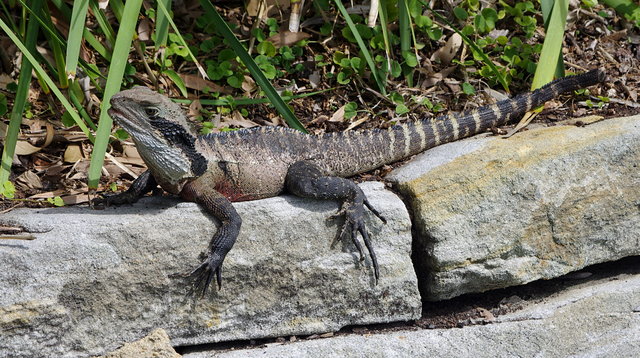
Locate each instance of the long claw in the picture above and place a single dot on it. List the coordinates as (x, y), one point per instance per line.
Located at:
(354, 224)
(374, 210)
(374, 259)
(354, 238)
(219, 277)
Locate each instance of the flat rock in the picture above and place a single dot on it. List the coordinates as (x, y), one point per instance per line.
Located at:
(590, 320)
(492, 212)
(156, 345)
(95, 279)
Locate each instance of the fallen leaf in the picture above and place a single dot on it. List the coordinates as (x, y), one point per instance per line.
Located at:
(73, 153)
(195, 108)
(238, 120)
(75, 199)
(200, 84)
(131, 152)
(25, 148)
(338, 116)
(248, 85)
(287, 38)
(446, 53)
(29, 180)
(357, 123)
(144, 30)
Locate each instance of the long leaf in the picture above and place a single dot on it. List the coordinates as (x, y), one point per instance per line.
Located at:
(36, 66)
(255, 71)
(11, 137)
(363, 47)
(74, 41)
(552, 46)
(167, 16)
(48, 29)
(116, 73)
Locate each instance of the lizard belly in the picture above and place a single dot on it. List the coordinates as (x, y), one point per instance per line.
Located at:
(243, 185)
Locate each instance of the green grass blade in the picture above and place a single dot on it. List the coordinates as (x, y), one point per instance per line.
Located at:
(88, 36)
(363, 47)
(175, 78)
(162, 24)
(546, 6)
(36, 66)
(118, 8)
(162, 8)
(8, 16)
(48, 27)
(76, 28)
(404, 23)
(56, 48)
(102, 21)
(121, 49)
(406, 35)
(552, 46)
(384, 26)
(11, 138)
(255, 71)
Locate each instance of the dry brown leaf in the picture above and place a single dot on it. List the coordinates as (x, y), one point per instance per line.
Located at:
(435, 78)
(49, 194)
(357, 123)
(25, 148)
(131, 152)
(446, 53)
(195, 108)
(144, 30)
(29, 180)
(75, 199)
(287, 38)
(120, 165)
(238, 120)
(248, 85)
(200, 84)
(132, 161)
(5, 80)
(259, 7)
(73, 153)
(338, 116)
(54, 170)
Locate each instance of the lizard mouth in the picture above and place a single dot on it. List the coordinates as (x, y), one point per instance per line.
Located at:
(120, 117)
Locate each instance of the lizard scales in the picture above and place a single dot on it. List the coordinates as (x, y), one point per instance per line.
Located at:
(255, 163)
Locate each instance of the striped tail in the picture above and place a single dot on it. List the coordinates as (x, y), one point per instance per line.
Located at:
(356, 152)
(414, 137)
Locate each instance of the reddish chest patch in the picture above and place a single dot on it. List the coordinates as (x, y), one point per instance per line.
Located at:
(232, 192)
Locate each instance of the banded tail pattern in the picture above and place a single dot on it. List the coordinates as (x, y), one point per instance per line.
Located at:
(379, 147)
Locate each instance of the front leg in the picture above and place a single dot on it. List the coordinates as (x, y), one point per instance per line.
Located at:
(219, 207)
(305, 179)
(142, 185)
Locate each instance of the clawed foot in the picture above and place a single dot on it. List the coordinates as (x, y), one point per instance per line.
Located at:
(353, 213)
(203, 275)
(109, 199)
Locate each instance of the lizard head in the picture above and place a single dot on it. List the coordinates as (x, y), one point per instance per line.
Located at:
(162, 134)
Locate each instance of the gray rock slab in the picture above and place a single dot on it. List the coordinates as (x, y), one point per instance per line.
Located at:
(156, 345)
(492, 212)
(95, 279)
(591, 320)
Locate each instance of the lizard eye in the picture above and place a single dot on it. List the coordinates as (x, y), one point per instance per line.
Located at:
(151, 111)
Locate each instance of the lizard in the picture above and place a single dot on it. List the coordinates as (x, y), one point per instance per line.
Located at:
(217, 169)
